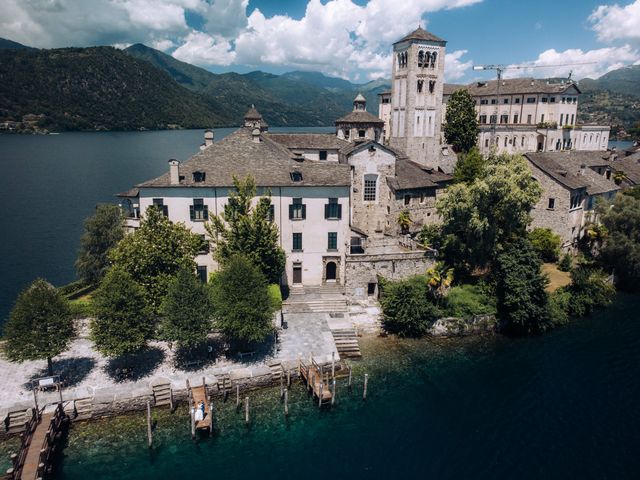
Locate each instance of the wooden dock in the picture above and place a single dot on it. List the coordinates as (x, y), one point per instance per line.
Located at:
(198, 395)
(314, 376)
(38, 446)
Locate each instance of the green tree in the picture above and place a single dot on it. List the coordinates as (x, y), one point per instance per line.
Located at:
(461, 126)
(520, 289)
(404, 221)
(479, 218)
(248, 230)
(39, 325)
(123, 323)
(439, 278)
(546, 243)
(469, 166)
(430, 236)
(102, 232)
(589, 289)
(242, 307)
(407, 310)
(566, 262)
(186, 310)
(621, 249)
(154, 254)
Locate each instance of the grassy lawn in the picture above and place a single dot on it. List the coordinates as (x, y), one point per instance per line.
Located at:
(557, 278)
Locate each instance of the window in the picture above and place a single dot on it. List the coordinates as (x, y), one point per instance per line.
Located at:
(356, 245)
(493, 101)
(420, 85)
(296, 176)
(504, 118)
(199, 176)
(297, 210)
(346, 133)
(483, 119)
(552, 204)
(159, 202)
(362, 133)
(297, 242)
(516, 100)
(422, 197)
(322, 154)
(432, 86)
(544, 99)
(505, 101)
(204, 246)
(529, 119)
(522, 142)
(493, 119)
(531, 99)
(542, 118)
(201, 271)
(332, 241)
(505, 141)
(564, 99)
(407, 199)
(370, 187)
(386, 100)
(486, 143)
(561, 119)
(484, 101)
(573, 117)
(333, 210)
(515, 119)
(271, 216)
(575, 200)
(198, 212)
(552, 100)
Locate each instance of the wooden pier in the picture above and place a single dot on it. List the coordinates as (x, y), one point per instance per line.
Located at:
(313, 375)
(198, 395)
(39, 442)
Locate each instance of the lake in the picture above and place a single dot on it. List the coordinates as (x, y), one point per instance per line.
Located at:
(51, 183)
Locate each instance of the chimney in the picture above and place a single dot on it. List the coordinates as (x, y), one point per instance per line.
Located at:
(583, 169)
(255, 135)
(174, 173)
(208, 138)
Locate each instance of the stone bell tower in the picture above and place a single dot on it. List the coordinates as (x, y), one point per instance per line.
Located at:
(416, 97)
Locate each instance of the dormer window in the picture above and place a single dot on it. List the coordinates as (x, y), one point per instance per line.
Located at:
(296, 176)
(199, 176)
(361, 133)
(322, 155)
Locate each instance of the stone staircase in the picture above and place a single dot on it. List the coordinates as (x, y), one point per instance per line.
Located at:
(84, 407)
(315, 299)
(162, 394)
(346, 340)
(17, 420)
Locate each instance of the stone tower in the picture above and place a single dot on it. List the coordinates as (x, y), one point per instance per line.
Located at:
(416, 97)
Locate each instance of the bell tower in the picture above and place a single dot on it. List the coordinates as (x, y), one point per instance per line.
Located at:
(416, 97)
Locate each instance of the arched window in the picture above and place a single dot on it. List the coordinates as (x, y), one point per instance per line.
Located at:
(505, 141)
(434, 57)
(421, 58)
(432, 85)
(370, 187)
(497, 141)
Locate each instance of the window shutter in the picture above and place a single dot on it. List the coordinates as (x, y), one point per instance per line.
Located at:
(205, 212)
(290, 212)
(304, 211)
(192, 213)
(339, 211)
(326, 210)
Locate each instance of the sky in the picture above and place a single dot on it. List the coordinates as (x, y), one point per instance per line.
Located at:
(351, 39)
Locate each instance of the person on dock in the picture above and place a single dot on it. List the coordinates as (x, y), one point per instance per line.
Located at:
(199, 413)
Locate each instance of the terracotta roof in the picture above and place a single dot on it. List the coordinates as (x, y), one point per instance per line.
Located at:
(512, 86)
(319, 141)
(421, 34)
(360, 117)
(410, 175)
(268, 162)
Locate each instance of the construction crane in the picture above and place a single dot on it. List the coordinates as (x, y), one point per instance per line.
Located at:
(499, 68)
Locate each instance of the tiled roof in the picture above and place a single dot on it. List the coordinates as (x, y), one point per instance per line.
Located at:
(566, 169)
(630, 166)
(420, 34)
(360, 117)
(268, 162)
(512, 86)
(359, 143)
(323, 141)
(132, 192)
(410, 175)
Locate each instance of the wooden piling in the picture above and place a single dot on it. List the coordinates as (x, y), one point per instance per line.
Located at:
(224, 389)
(288, 378)
(320, 396)
(149, 432)
(349, 376)
(237, 396)
(246, 410)
(366, 381)
(281, 385)
(211, 420)
(193, 421)
(333, 392)
(333, 364)
(286, 402)
(171, 398)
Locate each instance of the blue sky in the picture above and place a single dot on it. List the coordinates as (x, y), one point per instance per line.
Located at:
(347, 38)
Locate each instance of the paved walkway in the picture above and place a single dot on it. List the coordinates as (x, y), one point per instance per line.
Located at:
(89, 374)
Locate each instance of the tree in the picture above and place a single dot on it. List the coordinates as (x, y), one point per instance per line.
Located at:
(242, 308)
(187, 311)
(102, 232)
(430, 236)
(520, 289)
(479, 218)
(589, 289)
(461, 127)
(439, 279)
(546, 243)
(248, 230)
(621, 249)
(154, 254)
(469, 166)
(407, 310)
(404, 221)
(39, 326)
(123, 323)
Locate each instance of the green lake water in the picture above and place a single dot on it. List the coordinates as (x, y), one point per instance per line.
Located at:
(562, 405)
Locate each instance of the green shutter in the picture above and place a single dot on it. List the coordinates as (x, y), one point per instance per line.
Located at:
(304, 211)
(192, 213)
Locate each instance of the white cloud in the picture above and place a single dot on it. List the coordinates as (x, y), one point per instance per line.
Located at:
(454, 68)
(200, 48)
(583, 64)
(613, 22)
(163, 45)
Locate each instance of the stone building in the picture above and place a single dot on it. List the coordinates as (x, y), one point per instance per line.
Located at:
(528, 115)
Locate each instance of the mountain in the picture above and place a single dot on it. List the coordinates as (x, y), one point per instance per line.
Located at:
(6, 44)
(98, 88)
(624, 81)
(320, 80)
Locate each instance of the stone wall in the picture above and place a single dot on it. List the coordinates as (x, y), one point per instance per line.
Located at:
(421, 208)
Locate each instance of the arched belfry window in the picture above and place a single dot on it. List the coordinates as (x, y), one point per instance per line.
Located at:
(421, 58)
(434, 57)
(432, 85)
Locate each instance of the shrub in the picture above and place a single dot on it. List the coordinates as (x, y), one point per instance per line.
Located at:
(465, 301)
(406, 308)
(430, 236)
(565, 263)
(275, 297)
(559, 307)
(546, 243)
(81, 307)
(589, 289)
